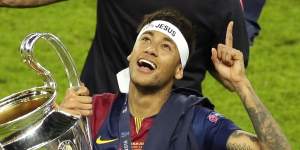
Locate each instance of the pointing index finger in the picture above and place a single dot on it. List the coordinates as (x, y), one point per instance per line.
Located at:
(229, 37)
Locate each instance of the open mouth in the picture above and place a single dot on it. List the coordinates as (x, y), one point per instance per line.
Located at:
(146, 64)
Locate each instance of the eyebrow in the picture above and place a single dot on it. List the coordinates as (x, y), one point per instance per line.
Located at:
(165, 38)
(148, 32)
(169, 40)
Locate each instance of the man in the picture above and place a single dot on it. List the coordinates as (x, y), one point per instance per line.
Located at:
(152, 116)
(116, 32)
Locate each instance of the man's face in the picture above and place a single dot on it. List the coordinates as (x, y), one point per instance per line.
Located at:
(154, 60)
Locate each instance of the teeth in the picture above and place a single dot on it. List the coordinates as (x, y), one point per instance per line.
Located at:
(148, 62)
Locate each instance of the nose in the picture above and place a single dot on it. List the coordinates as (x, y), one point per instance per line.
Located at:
(151, 50)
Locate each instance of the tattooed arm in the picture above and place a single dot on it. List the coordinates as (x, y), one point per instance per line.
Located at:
(269, 135)
(241, 140)
(230, 66)
(26, 3)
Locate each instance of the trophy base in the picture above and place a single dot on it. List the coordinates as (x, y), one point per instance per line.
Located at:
(57, 131)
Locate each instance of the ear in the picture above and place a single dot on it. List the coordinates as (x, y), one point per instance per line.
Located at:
(179, 72)
(128, 57)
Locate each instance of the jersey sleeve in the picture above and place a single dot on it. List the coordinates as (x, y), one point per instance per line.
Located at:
(211, 129)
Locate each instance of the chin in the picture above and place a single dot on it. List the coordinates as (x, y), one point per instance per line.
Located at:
(150, 86)
(143, 83)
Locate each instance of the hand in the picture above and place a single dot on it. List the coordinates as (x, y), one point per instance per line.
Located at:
(229, 62)
(77, 103)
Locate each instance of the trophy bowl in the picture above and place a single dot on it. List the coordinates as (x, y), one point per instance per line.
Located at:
(25, 108)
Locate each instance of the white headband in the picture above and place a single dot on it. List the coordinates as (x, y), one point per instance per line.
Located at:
(172, 32)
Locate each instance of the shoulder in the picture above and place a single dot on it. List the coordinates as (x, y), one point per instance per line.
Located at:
(206, 116)
(104, 97)
(211, 128)
(102, 104)
(193, 96)
(208, 119)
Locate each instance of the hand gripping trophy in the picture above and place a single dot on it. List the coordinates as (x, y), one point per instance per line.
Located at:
(29, 120)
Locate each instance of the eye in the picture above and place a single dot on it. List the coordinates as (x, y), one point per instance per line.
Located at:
(145, 39)
(166, 47)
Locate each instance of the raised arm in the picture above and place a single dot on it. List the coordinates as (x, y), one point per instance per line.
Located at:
(26, 3)
(230, 66)
(240, 40)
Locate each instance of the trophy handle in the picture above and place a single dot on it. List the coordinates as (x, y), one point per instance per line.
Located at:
(26, 49)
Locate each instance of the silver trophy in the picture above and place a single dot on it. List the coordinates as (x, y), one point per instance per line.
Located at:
(29, 120)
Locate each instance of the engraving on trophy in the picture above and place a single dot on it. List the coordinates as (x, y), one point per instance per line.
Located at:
(66, 145)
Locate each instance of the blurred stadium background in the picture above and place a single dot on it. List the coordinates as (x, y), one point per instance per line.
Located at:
(274, 66)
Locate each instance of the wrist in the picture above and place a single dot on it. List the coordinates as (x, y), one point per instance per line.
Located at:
(242, 86)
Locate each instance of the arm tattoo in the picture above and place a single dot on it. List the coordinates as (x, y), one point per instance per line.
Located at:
(241, 140)
(234, 146)
(268, 131)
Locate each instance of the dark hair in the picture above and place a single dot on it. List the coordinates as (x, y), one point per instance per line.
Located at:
(174, 17)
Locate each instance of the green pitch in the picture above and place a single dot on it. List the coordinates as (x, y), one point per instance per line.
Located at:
(274, 66)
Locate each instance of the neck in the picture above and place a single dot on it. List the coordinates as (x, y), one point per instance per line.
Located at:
(145, 103)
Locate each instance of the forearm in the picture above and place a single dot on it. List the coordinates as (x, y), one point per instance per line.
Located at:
(26, 3)
(268, 131)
